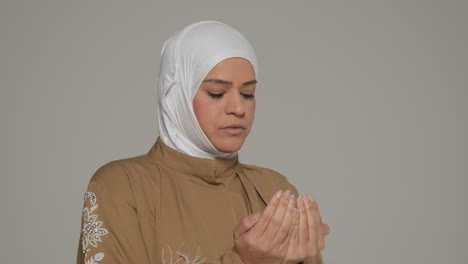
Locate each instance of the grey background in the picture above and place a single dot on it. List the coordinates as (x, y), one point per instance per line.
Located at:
(364, 104)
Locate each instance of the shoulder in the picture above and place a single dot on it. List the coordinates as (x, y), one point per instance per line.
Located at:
(120, 171)
(118, 176)
(113, 171)
(123, 184)
(111, 179)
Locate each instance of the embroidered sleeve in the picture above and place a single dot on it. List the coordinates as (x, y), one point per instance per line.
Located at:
(110, 227)
(91, 230)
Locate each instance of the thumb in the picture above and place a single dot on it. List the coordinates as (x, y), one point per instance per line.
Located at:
(245, 225)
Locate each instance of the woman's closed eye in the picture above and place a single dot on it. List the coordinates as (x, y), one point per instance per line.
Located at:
(248, 96)
(219, 95)
(215, 95)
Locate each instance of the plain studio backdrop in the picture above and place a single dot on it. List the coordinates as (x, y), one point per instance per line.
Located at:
(364, 104)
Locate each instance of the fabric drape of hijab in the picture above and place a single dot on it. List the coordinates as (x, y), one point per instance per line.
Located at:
(186, 58)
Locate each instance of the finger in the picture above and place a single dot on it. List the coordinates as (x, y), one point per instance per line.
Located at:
(325, 228)
(285, 227)
(267, 214)
(291, 240)
(311, 220)
(245, 225)
(318, 211)
(302, 228)
(277, 218)
(318, 218)
(321, 239)
(321, 243)
(318, 221)
(295, 227)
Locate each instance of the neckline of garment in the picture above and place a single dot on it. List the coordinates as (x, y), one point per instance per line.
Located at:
(211, 170)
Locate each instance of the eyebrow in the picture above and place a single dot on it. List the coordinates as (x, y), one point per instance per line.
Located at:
(229, 83)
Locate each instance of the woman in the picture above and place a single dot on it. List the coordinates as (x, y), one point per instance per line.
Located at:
(189, 200)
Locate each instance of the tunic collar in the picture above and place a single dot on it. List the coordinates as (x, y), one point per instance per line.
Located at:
(211, 170)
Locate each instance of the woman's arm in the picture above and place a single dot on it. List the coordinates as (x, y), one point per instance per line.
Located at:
(110, 231)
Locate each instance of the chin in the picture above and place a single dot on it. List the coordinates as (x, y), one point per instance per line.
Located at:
(229, 145)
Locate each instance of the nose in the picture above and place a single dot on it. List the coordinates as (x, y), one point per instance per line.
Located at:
(235, 105)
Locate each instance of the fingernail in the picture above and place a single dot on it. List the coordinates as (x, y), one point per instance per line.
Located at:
(278, 194)
(305, 197)
(292, 199)
(254, 216)
(299, 200)
(311, 198)
(286, 194)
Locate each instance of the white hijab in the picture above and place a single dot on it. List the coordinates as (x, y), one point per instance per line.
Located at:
(186, 58)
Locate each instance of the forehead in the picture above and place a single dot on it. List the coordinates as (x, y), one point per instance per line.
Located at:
(232, 69)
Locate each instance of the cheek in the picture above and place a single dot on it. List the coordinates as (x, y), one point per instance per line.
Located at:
(203, 111)
(251, 111)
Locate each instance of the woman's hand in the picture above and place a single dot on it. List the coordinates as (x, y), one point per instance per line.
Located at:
(308, 237)
(266, 238)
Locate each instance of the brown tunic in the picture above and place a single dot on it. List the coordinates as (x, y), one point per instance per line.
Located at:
(168, 207)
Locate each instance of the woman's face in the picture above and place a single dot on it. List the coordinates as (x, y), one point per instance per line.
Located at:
(225, 104)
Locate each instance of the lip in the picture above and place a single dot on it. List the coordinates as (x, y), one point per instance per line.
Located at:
(235, 126)
(234, 129)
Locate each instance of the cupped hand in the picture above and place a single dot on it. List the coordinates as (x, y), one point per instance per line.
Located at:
(266, 238)
(308, 237)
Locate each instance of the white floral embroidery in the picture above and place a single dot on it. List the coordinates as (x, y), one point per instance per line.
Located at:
(94, 259)
(179, 256)
(92, 230)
